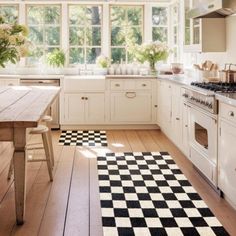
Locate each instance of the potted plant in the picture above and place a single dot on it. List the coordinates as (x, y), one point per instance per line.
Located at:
(152, 53)
(13, 42)
(103, 63)
(56, 59)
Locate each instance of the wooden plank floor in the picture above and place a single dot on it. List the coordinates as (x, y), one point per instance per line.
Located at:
(70, 204)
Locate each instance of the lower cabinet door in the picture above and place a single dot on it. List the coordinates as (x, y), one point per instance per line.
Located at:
(227, 161)
(95, 108)
(132, 107)
(74, 108)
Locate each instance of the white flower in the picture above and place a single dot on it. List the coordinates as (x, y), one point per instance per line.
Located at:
(5, 27)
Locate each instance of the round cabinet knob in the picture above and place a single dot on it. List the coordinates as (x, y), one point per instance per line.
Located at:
(231, 113)
(185, 95)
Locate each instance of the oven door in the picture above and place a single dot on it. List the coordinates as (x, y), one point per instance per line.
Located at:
(203, 142)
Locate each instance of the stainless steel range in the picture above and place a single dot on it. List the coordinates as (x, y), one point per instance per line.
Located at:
(203, 109)
(203, 94)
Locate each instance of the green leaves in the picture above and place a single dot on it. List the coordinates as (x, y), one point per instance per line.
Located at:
(56, 58)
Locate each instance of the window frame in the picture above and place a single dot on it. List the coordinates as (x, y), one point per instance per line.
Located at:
(27, 5)
(167, 26)
(84, 47)
(142, 27)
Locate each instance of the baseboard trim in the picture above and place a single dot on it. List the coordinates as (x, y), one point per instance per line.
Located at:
(109, 127)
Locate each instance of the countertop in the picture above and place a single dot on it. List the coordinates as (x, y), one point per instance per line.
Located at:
(229, 98)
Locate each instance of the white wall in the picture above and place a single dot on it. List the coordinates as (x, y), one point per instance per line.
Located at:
(230, 55)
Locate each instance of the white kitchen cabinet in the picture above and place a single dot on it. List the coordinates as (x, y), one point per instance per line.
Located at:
(176, 115)
(9, 82)
(95, 108)
(131, 101)
(185, 129)
(84, 108)
(172, 114)
(131, 107)
(227, 154)
(164, 106)
(202, 35)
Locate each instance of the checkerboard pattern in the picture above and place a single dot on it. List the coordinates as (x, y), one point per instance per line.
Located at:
(92, 138)
(146, 194)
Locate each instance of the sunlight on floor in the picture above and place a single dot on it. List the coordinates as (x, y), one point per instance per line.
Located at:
(93, 152)
(117, 145)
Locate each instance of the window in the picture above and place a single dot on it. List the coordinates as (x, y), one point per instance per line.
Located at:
(175, 31)
(160, 24)
(44, 26)
(84, 34)
(9, 13)
(126, 29)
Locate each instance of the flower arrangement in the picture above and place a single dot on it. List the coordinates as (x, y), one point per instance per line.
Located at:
(102, 61)
(56, 58)
(151, 52)
(13, 42)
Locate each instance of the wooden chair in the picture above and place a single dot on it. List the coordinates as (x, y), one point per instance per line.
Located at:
(45, 131)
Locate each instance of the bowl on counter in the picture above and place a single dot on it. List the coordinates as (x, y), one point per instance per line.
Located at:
(177, 68)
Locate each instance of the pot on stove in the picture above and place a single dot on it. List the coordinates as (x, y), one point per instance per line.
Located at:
(228, 75)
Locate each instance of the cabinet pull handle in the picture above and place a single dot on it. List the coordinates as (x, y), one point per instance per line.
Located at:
(10, 84)
(144, 85)
(117, 85)
(130, 94)
(231, 113)
(177, 118)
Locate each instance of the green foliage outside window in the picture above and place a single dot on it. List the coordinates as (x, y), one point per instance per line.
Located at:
(9, 13)
(44, 26)
(159, 24)
(84, 34)
(126, 30)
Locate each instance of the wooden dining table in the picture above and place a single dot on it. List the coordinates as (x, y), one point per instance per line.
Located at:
(21, 108)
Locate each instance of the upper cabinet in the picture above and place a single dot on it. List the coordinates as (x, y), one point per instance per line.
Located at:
(202, 35)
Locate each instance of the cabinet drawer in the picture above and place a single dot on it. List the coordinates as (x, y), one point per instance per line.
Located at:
(228, 112)
(132, 84)
(117, 85)
(143, 85)
(11, 82)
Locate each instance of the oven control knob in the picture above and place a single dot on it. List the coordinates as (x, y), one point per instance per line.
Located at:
(198, 100)
(185, 95)
(210, 105)
(192, 98)
(202, 102)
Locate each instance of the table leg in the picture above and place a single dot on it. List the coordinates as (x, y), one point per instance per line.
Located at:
(19, 160)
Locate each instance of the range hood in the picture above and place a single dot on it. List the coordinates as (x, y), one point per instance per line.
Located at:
(213, 9)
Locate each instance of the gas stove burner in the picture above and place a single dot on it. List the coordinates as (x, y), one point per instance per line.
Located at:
(216, 87)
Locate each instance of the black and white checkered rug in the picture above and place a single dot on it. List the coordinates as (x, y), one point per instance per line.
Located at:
(83, 138)
(146, 194)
